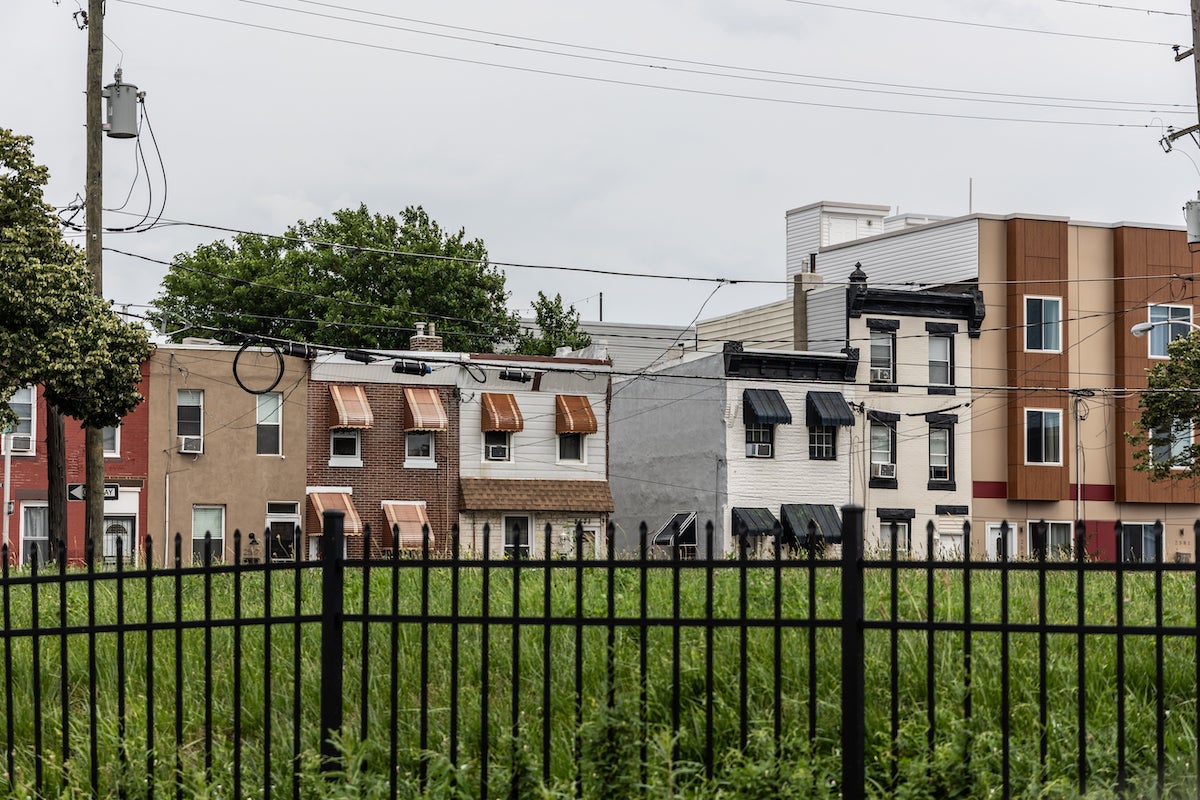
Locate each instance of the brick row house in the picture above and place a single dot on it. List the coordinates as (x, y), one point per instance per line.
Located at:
(126, 469)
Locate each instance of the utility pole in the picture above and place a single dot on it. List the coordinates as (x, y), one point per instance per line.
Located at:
(1195, 45)
(94, 206)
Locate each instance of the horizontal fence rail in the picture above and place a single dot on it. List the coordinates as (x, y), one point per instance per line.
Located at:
(816, 673)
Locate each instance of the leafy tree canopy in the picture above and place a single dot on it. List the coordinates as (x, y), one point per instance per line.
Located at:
(556, 327)
(355, 280)
(55, 330)
(1170, 412)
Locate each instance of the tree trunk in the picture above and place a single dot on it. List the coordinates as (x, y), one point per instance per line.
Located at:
(56, 481)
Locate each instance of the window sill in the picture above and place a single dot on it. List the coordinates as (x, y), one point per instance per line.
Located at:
(942, 486)
(941, 389)
(883, 387)
(884, 483)
(344, 462)
(420, 464)
(822, 458)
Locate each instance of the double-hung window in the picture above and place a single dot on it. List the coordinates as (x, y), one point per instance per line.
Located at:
(822, 442)
(941, 356)
(497, 446)
(883, 449)
(1170, 447)
(208, 525)
(883, 353)
(111, 434)
(22, 436)
(1169, 323)
(941, 450)
(760, 440)
(1043, 324)
(189, 420)
(1043, 436)
(269, 424)
(570, 447)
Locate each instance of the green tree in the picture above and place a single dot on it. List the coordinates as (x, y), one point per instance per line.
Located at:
(555, 326)
(1164, 442)
(55, 331)
(355, 280)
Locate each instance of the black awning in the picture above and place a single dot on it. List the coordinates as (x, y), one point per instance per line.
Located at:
(765, 407)
(754, 522)
(796, 518)
(828, 408)
(682, 524)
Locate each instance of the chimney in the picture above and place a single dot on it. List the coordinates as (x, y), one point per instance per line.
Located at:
(425, 342)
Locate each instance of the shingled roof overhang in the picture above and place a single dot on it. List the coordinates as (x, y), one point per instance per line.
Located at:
(486, 494)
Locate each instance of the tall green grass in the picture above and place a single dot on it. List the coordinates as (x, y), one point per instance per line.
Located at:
(605, 741)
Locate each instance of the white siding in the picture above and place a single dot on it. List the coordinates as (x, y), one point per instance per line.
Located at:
(766, 327)
(935, 255)
(827, 319)
(803, 237)
(809, 230)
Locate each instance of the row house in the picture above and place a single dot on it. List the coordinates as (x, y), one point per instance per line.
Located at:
(127, 474)
(1056, 370)
(757, 442)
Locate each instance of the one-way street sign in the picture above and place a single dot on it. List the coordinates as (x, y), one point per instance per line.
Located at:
(78, 491)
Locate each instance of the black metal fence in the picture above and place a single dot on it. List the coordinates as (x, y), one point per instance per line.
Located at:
(869, 674)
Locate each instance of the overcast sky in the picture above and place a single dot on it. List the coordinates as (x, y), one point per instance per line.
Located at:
(648, 136)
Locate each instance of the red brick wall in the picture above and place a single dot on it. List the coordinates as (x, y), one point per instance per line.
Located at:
(383, 476)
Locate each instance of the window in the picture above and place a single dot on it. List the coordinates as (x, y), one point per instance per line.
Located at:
(1043, 436)
(208, 520)
(418, 449)
(497, 446)
(883, 352)
(516, 537)
(22, 404)
(269, 416)
(1172, 322)
(760, 440)
(896, 530)
(883, 452)
(282, 530)
(1170, 447)
(570, 447)
(1139, 542)
(112, 441)
(941, 366)
(35, 534)
(822, 443)
(1055, 537)
(939, 454)
(189, 420)
(1043, 324)
(345, 448)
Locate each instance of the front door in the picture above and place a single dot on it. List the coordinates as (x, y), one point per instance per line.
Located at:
(993, 541)
(121, 528)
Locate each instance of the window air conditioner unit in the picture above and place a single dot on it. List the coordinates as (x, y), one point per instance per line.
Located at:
(883, 470)
(497, 452)
(760, 450)
(881, 374)
(191, 444)
(22, 443)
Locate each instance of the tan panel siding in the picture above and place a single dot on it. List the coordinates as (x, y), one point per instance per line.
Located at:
(766, 327)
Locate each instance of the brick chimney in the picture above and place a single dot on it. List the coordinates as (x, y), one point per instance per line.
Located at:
(425, 342)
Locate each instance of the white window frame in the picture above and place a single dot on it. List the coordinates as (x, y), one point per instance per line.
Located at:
(419, 461)
(942, 457)
(904, 543)
(582, 438)
(1025, 437)
(1147, 531)
(1179, 439)
(1043, 299)
(993, 533)
(346, 460)
(31, 431)
(758, 433)
(218, 541)
(115, 452)
(26, 539)
(948, 361)
(1164, 332)
(878, 339)
(198, 395)
(1051, 551)
(492, 439)
(263, 420)
(291, 517)
(890, 430)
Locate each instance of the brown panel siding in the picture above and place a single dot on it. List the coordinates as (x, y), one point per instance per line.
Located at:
(1146, 263)
(1037, 266)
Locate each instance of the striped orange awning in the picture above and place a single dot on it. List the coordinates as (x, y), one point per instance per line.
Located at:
(337, 501)
(406, 520)
(575, 414)
(353, 410)
(500, 413)
(423, 410)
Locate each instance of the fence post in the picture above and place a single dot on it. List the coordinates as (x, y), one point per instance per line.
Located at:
(854, 724)
(332, 569)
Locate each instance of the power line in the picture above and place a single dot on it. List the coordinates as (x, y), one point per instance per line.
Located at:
(1111, 7)
(986, 25)
(642, 85)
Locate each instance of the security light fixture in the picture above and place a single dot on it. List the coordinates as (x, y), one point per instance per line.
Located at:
(411, 368)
